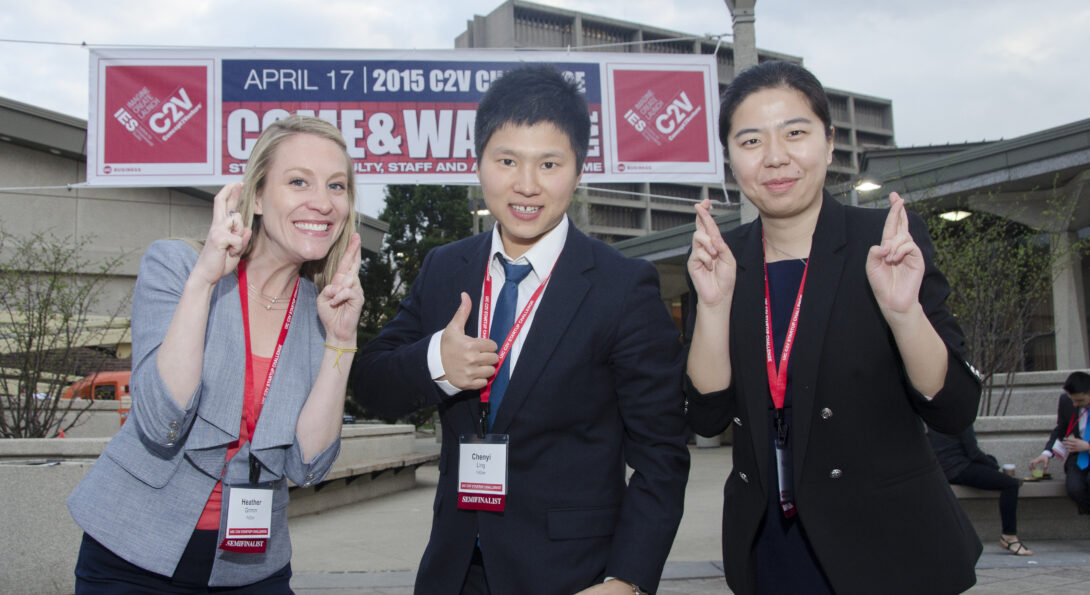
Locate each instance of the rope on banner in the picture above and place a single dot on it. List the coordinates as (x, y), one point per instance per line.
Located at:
(718, 38)
(83, 44)
(35, 42)
(68, 187)
(599, 189)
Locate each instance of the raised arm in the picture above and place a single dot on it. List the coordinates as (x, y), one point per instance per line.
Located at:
(895, 270)
(181, 353)
(339, 305)
(713, 271)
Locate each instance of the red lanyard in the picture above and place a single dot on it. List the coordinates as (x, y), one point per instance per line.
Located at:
(249, 408)
(777, 378)
(516, 328)
(1074, 420)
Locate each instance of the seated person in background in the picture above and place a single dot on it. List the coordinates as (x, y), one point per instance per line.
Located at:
(1067, 437)
(965, 464)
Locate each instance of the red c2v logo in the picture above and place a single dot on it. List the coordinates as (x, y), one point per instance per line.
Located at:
(174, 112)
(155, 114)
(676, 113)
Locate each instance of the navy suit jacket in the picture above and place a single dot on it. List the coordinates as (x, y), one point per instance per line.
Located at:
(596, 387)
(1065, 410)
(875, 505)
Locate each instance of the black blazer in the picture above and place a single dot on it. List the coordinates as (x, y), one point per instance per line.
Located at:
(597, 386)
(876, 507)
(955, 452)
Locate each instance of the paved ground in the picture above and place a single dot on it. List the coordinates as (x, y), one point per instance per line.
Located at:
(374, 547)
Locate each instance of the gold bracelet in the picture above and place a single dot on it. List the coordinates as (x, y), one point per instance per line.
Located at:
(340, 351)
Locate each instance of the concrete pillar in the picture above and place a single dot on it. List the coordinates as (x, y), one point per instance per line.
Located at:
(645, 188)
(583, 214)
(1069, 306)
(745, 55)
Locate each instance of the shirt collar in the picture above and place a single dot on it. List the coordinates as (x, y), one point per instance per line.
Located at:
(542, 255)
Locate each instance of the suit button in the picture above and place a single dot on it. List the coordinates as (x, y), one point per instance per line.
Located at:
(173, 425)
(172, 436)
(738, 421)
(826, 413)
(835, 474)
(744, 477)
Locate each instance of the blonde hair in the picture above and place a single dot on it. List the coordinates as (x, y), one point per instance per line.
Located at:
(320, 272)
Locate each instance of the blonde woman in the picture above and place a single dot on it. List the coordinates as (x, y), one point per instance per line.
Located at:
(241, 353)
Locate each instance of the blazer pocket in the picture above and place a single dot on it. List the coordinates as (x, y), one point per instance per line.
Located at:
(129, 453)
(910, 475)
(580, 523)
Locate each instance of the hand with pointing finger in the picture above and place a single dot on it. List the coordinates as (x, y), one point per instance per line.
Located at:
(711, 263)
(895, 267)
(227, 237)
(468, 361)
(340, 302)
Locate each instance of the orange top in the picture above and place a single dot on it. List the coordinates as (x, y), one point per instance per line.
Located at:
(210, 517)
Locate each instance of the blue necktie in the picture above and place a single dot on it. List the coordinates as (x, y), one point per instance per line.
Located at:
(1083, 460)
(503, 318)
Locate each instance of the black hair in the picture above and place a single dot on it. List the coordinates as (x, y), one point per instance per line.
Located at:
(771, 75)
(530, 94)
(1077, 383)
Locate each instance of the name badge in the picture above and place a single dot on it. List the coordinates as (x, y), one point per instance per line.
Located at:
(786, 480)
(249, 519)
(482, 472)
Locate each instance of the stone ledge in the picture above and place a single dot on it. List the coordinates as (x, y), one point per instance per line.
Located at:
(1048, 488)
(38, 449)
(375, 460)
(375, 468)
(990, 424)
(1044, 511)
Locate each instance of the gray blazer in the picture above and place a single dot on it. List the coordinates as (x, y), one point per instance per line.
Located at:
(143, 496)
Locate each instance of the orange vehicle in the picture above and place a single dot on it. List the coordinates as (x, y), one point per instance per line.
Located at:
(106, 386)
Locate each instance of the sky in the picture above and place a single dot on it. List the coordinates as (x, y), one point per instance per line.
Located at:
(956, 71)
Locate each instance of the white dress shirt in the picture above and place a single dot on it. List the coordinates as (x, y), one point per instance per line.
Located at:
(542, 256)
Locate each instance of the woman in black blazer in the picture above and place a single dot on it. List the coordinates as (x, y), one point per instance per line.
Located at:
(820, 333)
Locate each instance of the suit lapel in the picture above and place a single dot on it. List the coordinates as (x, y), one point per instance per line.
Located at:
(748, 362)
(225, 349)
(222, 381)
(560, 301)
(470, 279)
(822, 280)
(293, 377)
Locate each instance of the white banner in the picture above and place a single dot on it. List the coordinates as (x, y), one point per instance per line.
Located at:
(190, 117)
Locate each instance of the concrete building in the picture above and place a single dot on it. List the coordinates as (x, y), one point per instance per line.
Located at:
(618, 211)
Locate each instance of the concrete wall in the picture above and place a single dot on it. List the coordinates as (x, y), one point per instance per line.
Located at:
(119, 221)
(94, 419)
(41, 541)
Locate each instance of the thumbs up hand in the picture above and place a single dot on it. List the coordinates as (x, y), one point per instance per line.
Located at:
(468, 361)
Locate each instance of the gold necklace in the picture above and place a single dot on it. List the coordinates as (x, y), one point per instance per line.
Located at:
(273, 300)
(769, 242)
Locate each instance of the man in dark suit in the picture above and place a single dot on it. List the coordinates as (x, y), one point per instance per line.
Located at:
(589, 383)
(1067, 439)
